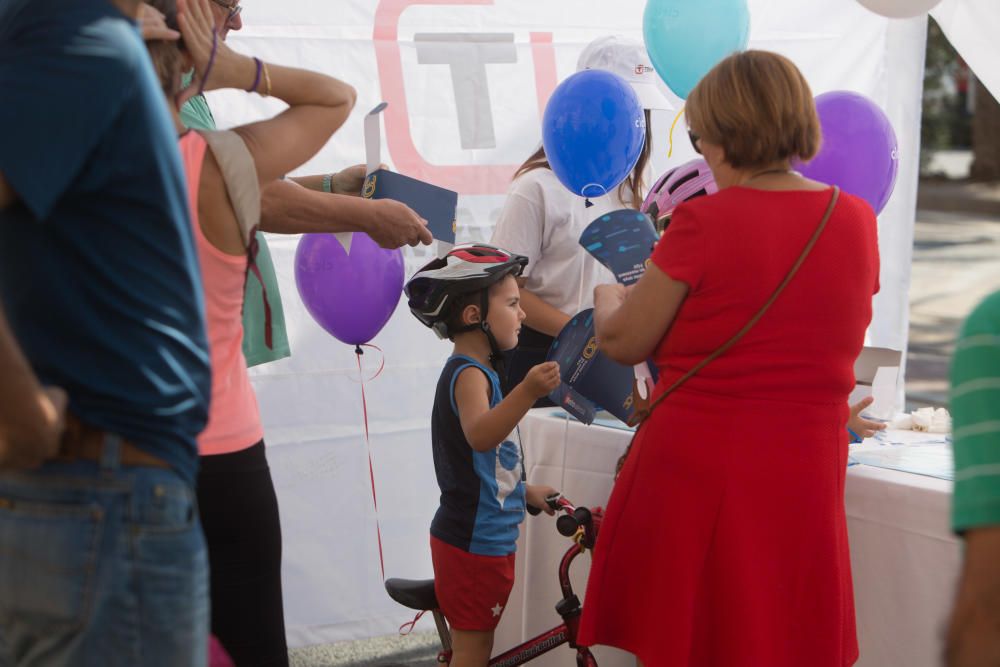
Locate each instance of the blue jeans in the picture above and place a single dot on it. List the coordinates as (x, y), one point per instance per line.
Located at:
(101, 565)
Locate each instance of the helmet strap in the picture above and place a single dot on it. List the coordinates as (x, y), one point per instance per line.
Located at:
(496, 356)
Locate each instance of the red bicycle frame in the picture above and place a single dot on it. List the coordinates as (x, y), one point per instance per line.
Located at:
(584, 524)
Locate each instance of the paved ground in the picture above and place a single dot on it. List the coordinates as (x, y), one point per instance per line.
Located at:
(956, 262)
(417, 650)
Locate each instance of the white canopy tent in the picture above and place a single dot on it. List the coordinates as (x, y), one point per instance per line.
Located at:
(466, 81)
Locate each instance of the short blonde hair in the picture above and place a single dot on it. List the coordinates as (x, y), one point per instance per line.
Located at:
(758, 107)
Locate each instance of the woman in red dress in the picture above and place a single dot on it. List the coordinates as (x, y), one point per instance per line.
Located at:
(725, 540)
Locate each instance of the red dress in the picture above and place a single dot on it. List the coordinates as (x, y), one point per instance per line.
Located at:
(725, 540)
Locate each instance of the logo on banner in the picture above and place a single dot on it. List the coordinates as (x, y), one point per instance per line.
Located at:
(591, 349)
(467, 55)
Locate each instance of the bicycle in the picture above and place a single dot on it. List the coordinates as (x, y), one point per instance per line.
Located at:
(579, 523)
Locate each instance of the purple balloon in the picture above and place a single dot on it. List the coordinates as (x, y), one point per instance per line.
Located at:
(351, 295)
(859, 151)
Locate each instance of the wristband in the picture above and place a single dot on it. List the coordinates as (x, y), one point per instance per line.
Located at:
(256, 78)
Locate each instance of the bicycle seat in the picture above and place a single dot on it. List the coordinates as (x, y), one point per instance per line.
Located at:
(418, 595)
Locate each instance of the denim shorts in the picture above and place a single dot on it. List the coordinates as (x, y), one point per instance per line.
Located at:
(101, 565)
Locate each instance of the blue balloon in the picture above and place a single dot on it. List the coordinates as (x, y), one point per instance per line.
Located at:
(687, 38)
(593, 130)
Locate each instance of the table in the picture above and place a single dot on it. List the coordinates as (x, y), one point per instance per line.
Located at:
(904, 557)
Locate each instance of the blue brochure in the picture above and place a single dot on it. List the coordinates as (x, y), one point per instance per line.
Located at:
(434, 204)
(623, 241)
(589, 379)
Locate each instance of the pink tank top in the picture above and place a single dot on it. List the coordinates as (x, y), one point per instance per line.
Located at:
(233, 418)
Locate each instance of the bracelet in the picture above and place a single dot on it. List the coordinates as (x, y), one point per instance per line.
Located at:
(211, 62)
(328, 183)
(267, 81)
(256, 79)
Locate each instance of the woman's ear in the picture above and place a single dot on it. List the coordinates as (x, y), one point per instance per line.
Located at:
(471, 315)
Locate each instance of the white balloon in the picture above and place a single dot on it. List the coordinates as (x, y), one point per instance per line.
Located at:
(900, 9)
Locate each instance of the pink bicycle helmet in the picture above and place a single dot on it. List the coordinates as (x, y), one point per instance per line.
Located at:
(680, 184)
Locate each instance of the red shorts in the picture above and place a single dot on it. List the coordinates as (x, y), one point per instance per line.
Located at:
(472, 590)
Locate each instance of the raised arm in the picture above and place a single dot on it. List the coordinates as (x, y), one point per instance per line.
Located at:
(485, 427)
(290, 208)
(318, 104)
(630, 323)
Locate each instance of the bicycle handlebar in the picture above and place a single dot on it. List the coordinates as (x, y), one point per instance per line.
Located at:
(572, 520)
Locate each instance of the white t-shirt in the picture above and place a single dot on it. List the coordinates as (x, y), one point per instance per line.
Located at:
(543, 221)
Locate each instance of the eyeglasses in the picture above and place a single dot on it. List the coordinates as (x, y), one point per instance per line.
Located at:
(233, 9)
(694, 141)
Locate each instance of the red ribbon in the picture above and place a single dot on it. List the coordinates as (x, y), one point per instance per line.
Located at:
(371, 468)
(411, 625)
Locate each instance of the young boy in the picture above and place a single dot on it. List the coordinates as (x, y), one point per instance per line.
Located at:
(471, 297)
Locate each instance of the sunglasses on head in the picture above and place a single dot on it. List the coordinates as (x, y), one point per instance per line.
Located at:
(694, 141)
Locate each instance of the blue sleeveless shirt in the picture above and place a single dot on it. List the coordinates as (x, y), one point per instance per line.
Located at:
(482, 493)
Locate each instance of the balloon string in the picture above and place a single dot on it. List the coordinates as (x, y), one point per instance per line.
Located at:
(670, 151)
(358, 351)
(368, 446)
(407, 628)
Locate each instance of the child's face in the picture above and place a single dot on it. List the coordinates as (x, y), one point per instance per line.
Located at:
(505, 314)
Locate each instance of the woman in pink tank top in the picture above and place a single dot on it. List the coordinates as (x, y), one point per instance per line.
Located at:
(236, 496)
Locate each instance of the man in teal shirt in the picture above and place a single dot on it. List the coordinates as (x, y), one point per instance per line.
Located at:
(974, 636)
(325, 203)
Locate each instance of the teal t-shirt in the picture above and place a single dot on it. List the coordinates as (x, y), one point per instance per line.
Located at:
(975, 407)
(196, 114)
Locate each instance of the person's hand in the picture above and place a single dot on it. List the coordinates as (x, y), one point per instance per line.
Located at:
(609, 295)
(395, 224)
(226, 69)
(30, 452)
(542, 379)
(535, 495)
(351, 181)
(153, 25)
(865, 428)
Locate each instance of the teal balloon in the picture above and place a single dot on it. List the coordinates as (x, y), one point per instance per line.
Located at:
(687, 38)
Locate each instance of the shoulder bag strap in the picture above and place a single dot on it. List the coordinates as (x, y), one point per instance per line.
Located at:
(760, 313)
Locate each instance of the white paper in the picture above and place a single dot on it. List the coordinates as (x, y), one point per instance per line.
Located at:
(884, 392)
(373, 138)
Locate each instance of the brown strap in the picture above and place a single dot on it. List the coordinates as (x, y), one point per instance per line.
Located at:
(760, 313)
(239, 171)
(240, 175)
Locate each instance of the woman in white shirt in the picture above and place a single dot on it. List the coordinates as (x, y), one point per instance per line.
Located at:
(543, 220)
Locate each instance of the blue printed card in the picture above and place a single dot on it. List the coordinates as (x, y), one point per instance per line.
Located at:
(623, 241)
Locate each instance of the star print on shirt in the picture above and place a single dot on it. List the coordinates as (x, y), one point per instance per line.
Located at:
(496, 610)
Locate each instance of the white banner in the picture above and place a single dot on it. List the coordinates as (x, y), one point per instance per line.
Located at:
(972, 27)
(466, 82)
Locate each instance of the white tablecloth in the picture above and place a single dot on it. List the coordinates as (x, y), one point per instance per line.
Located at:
(904, 557)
